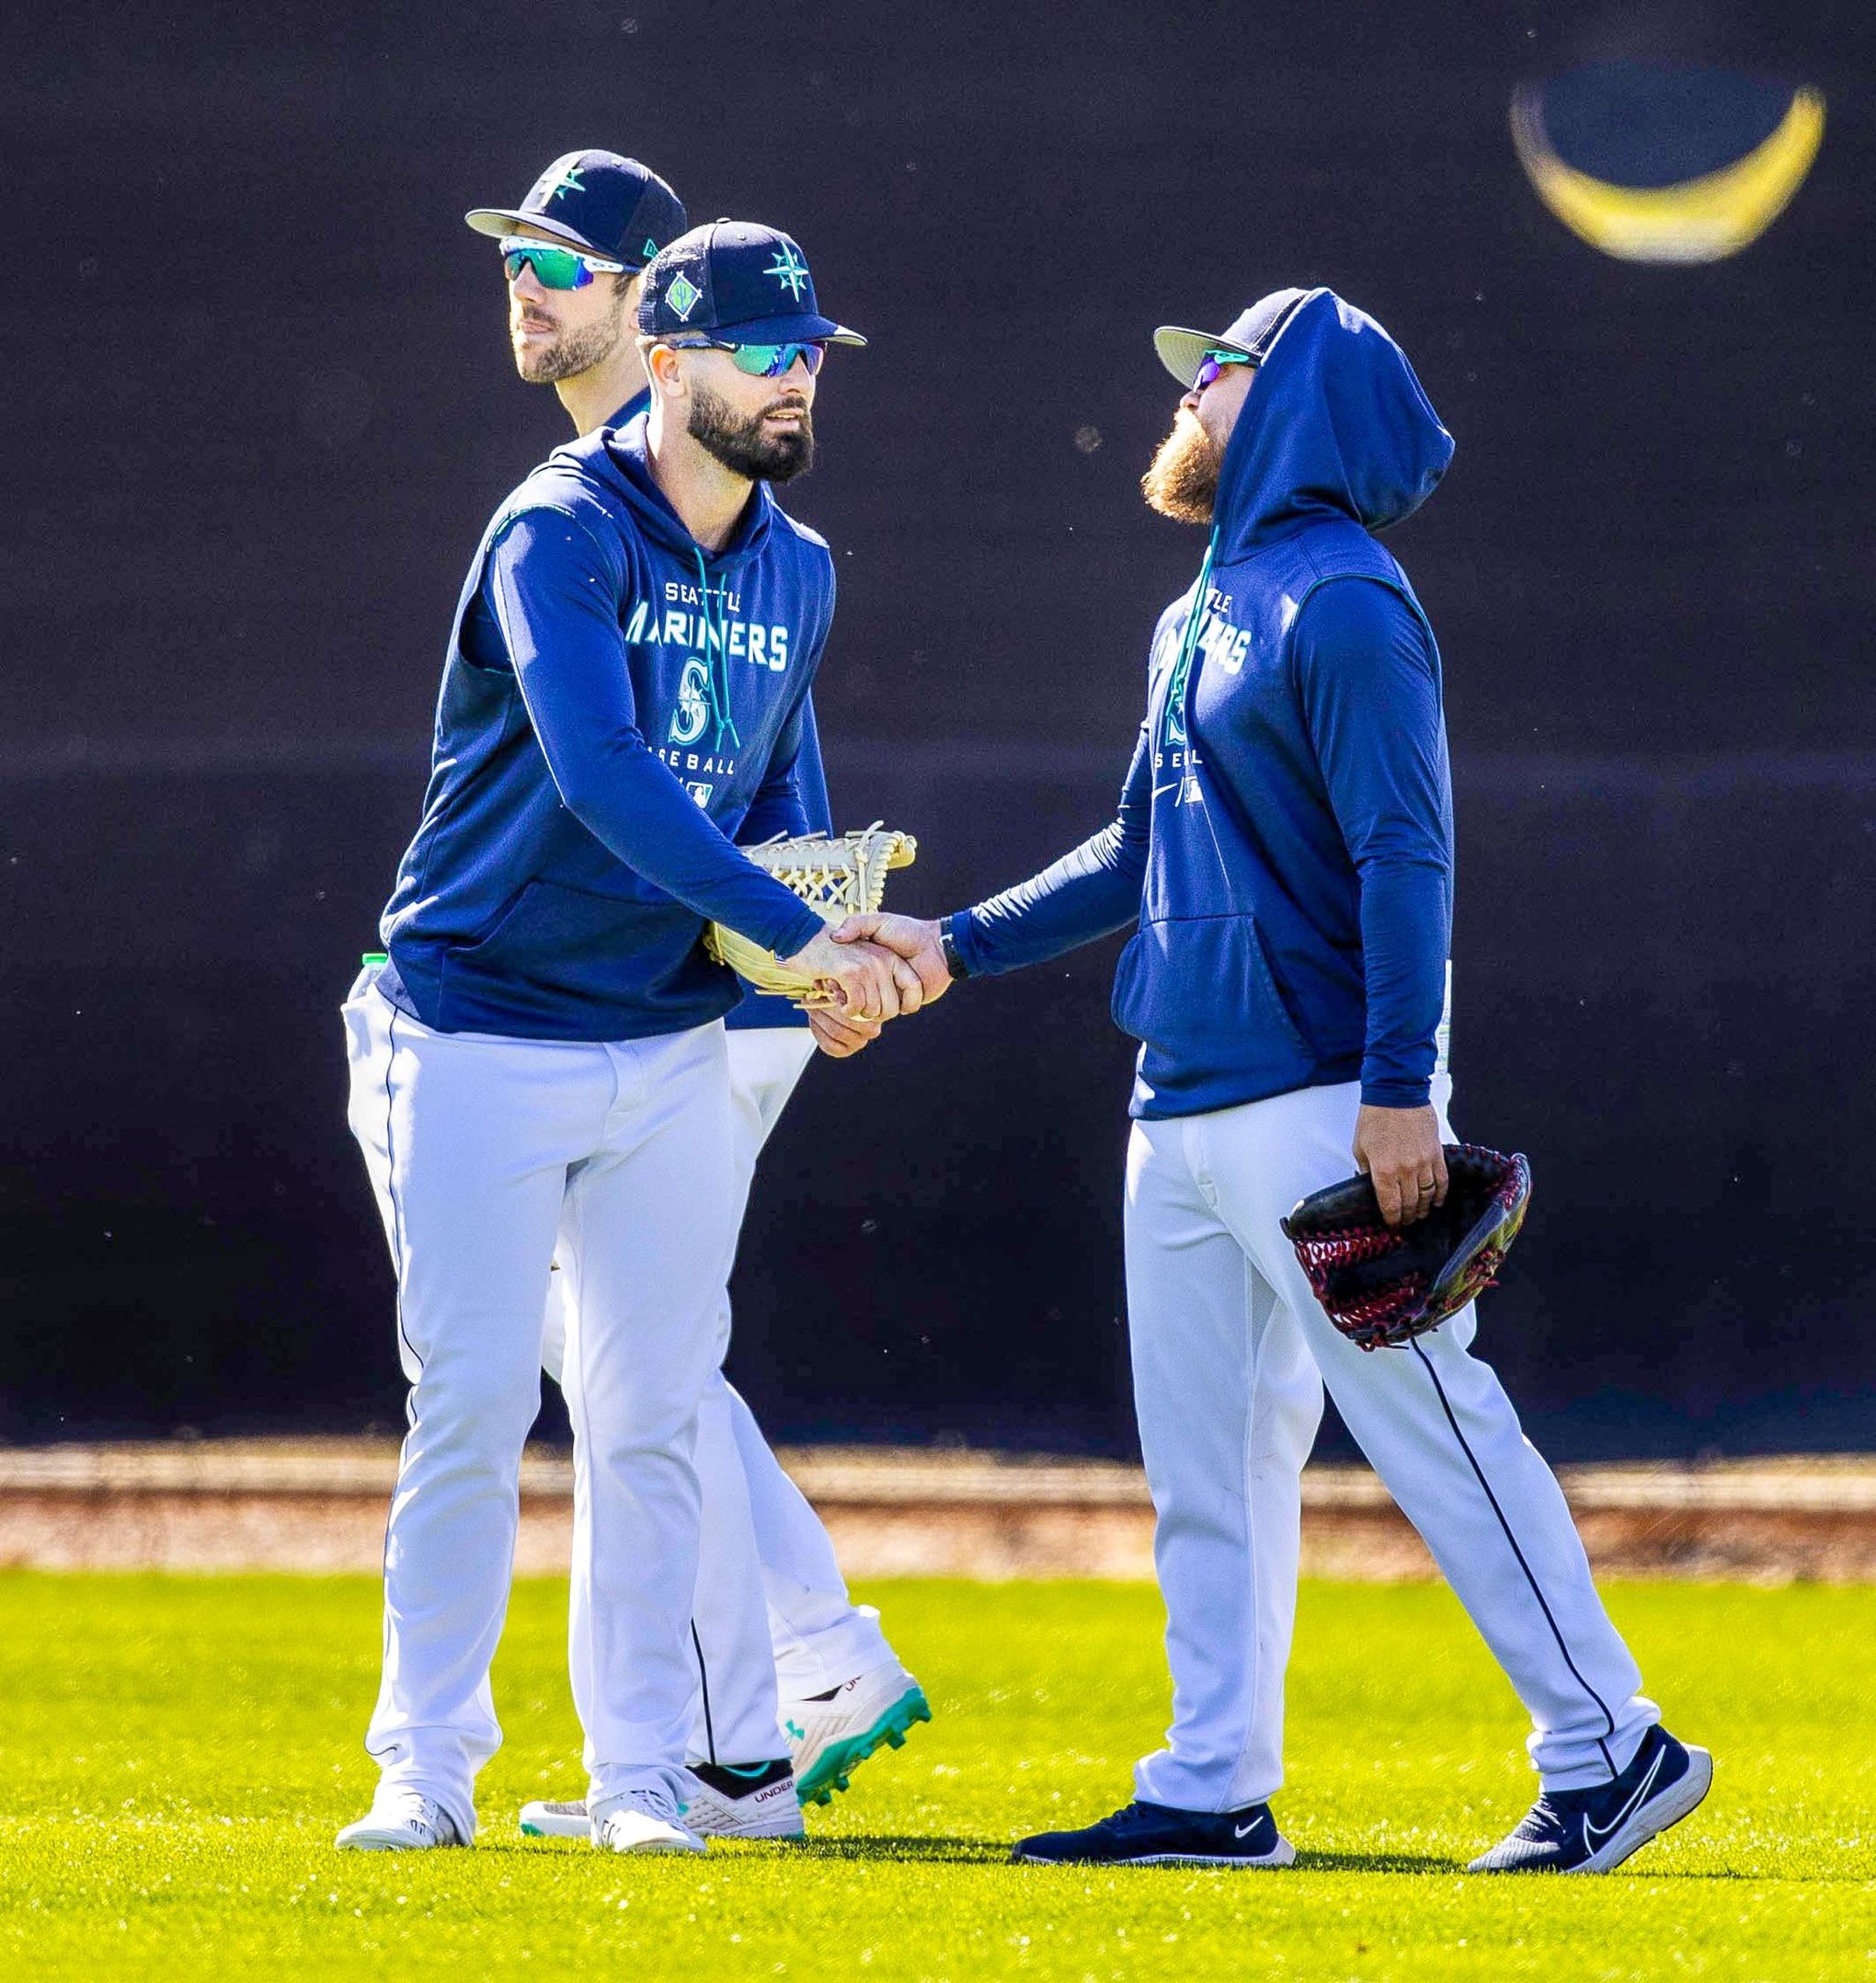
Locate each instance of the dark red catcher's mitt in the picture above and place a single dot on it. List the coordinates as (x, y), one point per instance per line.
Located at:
(1380, 1284)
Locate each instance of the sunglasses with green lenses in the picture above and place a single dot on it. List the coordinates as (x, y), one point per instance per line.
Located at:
(1214, 362)
(555, 267)
(760, 360)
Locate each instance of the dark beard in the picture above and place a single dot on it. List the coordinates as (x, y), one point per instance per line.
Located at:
(576, 352)
(739, 444)
(1182, 482)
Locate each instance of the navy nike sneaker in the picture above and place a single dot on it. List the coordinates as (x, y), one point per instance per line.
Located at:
(1157, 1835)
(1594, 1830)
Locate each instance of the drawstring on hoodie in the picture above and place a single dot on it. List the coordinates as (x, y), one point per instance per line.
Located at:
(715, 658)
(1182, 667)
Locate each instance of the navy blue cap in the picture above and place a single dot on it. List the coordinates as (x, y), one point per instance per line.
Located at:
(1251, 334)
(611, 207)
(740, 281)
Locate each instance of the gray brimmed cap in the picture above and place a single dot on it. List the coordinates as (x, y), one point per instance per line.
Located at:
(1251, 336)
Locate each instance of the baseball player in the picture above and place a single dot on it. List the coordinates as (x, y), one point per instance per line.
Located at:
(843, 1692)
(541, 1057)
(1284, 854)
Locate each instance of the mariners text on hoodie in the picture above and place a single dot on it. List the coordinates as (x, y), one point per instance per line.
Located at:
(1283, 842)
(617, 706)
(759, 1011)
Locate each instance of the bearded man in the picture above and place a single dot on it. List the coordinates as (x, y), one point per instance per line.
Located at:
(538, 1057)
(573, 253)
(1283, 851)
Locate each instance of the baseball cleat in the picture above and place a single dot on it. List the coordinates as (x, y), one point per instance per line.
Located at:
(1157, 1835)
(745, 1801)
(832, 1735)
(644, 1821)
(400, 1821)
(1594, 1830)
(541, 1819)
(721, 1800)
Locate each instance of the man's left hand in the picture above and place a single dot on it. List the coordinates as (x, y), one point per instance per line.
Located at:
(1398, 1150)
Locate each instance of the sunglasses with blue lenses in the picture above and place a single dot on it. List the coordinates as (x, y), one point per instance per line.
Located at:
(1213, 364)
(760, 360)
(555, 267)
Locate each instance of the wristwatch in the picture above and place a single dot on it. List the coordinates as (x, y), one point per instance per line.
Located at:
(953, 962)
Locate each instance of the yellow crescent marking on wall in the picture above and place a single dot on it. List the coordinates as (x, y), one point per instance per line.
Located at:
(1698, 219)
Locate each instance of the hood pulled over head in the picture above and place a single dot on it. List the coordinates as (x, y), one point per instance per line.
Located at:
(1335, 425)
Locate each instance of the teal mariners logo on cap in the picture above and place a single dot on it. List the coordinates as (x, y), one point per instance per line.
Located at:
(568, 182)
(683, 296)
(789, 269)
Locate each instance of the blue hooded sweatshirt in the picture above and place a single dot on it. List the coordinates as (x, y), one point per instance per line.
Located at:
(1285, 836)
(623, 707)
(757, 1011)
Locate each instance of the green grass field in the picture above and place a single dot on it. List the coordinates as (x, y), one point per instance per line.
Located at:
(176, 1753)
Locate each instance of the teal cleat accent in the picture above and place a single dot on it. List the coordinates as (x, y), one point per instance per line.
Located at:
(833, 1769)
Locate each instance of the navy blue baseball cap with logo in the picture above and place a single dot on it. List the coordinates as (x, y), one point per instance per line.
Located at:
(611, 207)
(738, 281)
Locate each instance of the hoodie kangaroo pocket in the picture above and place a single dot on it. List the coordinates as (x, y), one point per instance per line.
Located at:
(554, 935)
(1199, 991)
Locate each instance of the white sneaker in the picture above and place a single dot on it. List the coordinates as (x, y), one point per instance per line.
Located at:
(721, 1800)
(644, 1821)
(832, 1735)
(400, 1821)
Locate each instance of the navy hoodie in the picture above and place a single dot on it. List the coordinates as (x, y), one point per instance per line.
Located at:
(1283, 842)
(759, 1012)
(624, 706)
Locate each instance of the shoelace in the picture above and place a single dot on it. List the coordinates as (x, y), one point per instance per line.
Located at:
(412, 1807)
(650, 1804)
(1545, 1818)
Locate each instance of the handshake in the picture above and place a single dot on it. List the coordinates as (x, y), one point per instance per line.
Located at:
(877, 967)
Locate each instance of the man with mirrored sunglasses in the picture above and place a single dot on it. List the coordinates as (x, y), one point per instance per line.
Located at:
(538, 1065)
(843, 1692)
(1282, 858)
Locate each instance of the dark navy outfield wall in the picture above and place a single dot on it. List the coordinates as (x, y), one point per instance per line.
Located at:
(1652, 966)
(261, 405)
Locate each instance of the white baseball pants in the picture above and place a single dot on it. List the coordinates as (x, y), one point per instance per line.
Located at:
(490, 1155)
(756, 1520)
(1230, 1350)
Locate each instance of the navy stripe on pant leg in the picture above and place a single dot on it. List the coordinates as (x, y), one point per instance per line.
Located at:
(1536, 1589)
(704, 1682)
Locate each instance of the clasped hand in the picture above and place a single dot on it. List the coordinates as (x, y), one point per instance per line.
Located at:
(882, 968)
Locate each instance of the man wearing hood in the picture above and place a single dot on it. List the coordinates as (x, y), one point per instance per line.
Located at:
(541, 1054)
(1284, 853)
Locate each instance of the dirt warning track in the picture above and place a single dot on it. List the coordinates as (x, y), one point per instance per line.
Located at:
(318, 1507)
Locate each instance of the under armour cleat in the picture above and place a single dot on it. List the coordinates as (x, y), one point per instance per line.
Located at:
(743, 1800)
(721, 1800)
(832, 1735)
